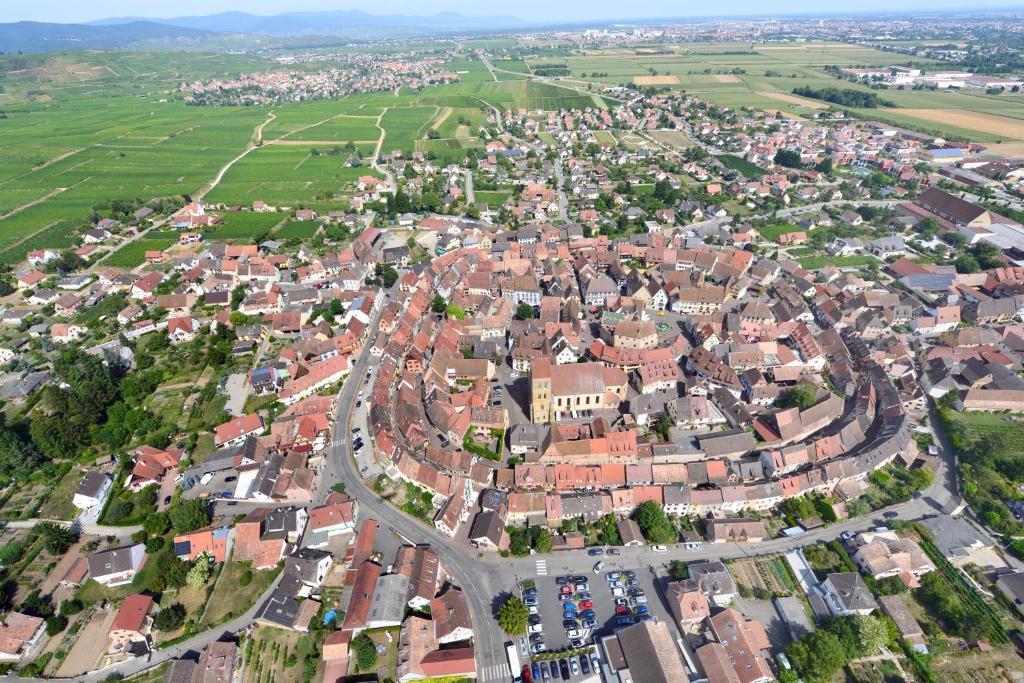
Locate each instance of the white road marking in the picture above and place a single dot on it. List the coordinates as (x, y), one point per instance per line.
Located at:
(542, 567)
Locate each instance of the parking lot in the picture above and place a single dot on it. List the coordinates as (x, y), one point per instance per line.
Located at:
(602, 599)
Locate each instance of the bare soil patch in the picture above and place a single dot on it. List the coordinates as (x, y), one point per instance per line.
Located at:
(971, 120)
(793, 99)
(656, 80)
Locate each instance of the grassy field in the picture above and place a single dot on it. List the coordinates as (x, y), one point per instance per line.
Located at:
(244, 225)
(812, 262)
(134, 253)
(772, 232)
(230, 598)
(297, 230)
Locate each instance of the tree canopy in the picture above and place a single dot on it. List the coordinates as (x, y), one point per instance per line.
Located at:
(512, 616)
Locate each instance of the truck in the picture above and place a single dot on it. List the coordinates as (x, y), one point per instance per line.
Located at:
(513, 661)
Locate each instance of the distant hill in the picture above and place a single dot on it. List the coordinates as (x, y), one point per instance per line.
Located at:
(32, 36)
(342, 22)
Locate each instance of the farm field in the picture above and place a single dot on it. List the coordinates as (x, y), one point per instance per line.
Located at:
(403, 126)
(286, 176)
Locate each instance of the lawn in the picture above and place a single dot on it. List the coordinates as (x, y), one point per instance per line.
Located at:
(772, 232)
(58, 503)
(742, 165)
(274, 655)
(230, 598)
(813, 262)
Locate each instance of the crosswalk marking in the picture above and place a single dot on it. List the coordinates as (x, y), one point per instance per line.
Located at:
(495, 672)
(542, 567)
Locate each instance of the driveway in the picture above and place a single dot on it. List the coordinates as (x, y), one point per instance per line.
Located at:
(237, 389)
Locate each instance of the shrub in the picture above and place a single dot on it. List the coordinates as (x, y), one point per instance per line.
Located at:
(245, 579)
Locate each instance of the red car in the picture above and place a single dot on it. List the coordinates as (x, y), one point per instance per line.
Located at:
(566, 590)
(621, 610)
(527, 674)
(586, 604)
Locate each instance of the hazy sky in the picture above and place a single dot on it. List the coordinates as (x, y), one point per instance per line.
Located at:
(538, 10)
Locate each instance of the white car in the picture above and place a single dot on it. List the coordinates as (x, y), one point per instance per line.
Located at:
(574, 633)
(640, 599)
(536, 628)
(616, 584)
(533, 609)
(618, 593)
(659, 549)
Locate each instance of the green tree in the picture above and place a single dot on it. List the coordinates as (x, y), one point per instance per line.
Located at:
(188, 515)
(817, 656)
(788, 158)
(512, 616)
(677, 570)
(366, 652)
(542, 542)
(438, 305)
(199, 574)
(156, 524)
(56, 537)
(801, 396)
(524, 311)
(170, 618)
(655, 525)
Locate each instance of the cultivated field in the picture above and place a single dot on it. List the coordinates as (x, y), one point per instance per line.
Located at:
(656, 80)
(976, 121)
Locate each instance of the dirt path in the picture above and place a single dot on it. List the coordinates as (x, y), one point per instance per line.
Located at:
(257, 139)
(439, 121)
(298, 143)
(90, 645)
(380, 141)
(46, 164)
(52, 193)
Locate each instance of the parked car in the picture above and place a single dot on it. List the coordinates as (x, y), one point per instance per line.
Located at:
(624, 620)
(640, 599)
(629, 574)
(588, 614)
(616, 584)
(569, 624)
(535, 670)
(563, 667)
(589, 623)
(598, 567)
(594, 552)
(612, 576)
(539, 647)
(586, 604)
(618, 593)
(892, 514)
(641, 609)
(536, 638)
(659, 548)
(544, 671)
(529, 601)
(585, 664)
(561, 580)
(620, 610)
(595, 660)
(632, 583)
(574, 633)
(574, 664)
(534, 619)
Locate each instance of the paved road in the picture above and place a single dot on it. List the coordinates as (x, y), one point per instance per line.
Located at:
(563, 201)
(470, 195)
(475, 578)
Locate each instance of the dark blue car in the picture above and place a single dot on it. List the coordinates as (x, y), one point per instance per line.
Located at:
(536, 671)
(624, 621)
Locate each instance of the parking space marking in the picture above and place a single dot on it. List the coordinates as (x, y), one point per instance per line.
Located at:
(542, 567)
